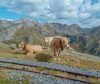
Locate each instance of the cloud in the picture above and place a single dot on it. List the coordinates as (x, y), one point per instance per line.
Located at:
(64, 11)
(7, 19)
(85, 15)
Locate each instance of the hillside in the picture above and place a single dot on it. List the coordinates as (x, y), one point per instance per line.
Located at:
(70, 60)
(82, 40)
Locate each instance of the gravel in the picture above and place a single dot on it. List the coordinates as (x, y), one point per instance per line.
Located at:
(54, 66)
(35, 78)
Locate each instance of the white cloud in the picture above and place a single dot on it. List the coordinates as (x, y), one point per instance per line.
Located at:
(7, 19)
(32, 1)
(85, 15)
(34, 14)
(53, 10)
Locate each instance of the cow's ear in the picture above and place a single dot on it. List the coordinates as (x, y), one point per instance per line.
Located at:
(23, 42)
(68, 40)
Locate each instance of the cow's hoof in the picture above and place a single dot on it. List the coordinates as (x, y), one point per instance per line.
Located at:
(27, 53)
(56, 58)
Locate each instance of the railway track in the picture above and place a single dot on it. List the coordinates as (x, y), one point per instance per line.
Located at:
(45, 73)
(40, 64)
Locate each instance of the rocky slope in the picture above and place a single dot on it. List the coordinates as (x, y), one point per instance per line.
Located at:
(84, 40)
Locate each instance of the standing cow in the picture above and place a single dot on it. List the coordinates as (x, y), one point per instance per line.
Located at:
(58, 44)
(30, 49)
(48, 41)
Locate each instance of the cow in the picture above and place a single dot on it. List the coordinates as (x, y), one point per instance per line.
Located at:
(58, 44)
(30, 49)
(48, 41)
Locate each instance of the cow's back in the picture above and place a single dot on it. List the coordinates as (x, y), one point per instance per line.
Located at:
(48, 40)
(37, 48)
(55, 43)
(34, 48)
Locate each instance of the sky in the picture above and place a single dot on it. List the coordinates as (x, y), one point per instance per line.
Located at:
(85, 13)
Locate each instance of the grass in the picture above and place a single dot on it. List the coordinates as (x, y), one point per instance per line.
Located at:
(65, 60)
(76, 62)
(2, 73)
(14, 81)
(45, 56)
(10, 81)
(5, 79)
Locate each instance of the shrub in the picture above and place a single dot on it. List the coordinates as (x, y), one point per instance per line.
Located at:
(43, 57)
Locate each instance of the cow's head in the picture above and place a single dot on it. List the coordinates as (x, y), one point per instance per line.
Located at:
(65, 42)
(22, 45)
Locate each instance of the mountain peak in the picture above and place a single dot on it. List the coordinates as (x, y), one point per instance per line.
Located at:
(74, 25)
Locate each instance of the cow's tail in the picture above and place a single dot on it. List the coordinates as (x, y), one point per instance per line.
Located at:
(61, 44)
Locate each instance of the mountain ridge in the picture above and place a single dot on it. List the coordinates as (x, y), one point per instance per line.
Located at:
(85, 40)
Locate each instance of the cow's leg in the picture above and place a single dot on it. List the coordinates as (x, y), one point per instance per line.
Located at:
(27, 53)
(58, 55)
(46, 44)
(59, 52)
(30, 53)
(48, 47)
(55, 54)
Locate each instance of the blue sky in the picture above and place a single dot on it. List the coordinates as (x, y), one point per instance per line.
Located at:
(5, 14)
(85, 13)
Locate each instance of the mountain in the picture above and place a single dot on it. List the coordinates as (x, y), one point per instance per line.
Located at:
(7, 29)
(83, 40)
(93, 41)
(17, 30)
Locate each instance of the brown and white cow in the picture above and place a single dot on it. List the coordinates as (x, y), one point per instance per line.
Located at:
(30, 49)
(58, 44)
(48, 41)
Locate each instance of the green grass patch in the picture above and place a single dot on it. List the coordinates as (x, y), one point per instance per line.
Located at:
(47, 57)
(14, 81)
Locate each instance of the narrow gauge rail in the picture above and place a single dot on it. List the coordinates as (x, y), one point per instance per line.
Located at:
(45, 73)
(51, 66)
